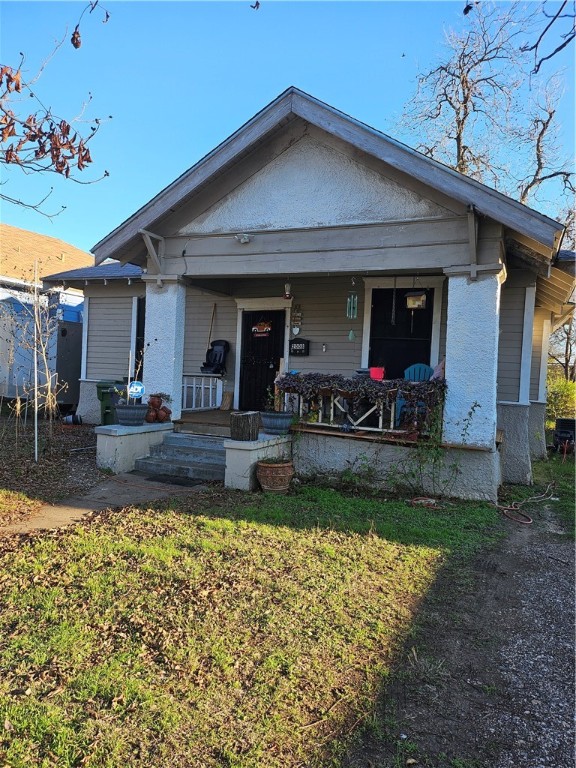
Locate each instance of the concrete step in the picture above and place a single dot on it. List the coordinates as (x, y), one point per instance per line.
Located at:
(187, 453)
(197, 457)
(195, 470)
(185, 428)
(180, 439)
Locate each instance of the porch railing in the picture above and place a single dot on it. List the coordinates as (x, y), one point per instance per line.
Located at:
(339, 412)
(201, 392)
(398, 408)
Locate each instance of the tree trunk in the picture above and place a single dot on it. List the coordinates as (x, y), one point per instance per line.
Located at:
(245, 426)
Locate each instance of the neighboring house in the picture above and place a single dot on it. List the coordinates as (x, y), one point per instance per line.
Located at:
(314, 226)
(23, 256)
(114, 309)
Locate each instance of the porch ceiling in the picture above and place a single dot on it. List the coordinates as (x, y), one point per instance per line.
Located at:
(556, 291)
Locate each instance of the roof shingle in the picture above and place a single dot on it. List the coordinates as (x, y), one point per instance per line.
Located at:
(19, 249)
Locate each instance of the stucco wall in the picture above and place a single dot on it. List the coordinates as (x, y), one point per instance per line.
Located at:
(463, 473)
(327, 187)
(164, 341)
(537, 430)
(516, 463)
(471, 361)
(88, 404)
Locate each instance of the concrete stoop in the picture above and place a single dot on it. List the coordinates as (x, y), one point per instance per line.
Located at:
(196, 457)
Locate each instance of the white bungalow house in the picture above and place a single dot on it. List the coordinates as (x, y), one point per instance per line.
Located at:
(296, 241)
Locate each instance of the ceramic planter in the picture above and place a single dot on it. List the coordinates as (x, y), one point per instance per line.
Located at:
(275, 477)
(276, 422)
(131, 415)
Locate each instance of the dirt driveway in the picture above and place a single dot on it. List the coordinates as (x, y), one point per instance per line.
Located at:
(487, 680)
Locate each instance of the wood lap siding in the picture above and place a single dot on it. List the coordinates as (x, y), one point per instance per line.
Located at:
(510, 345)
(324, 321)
(323, 303)
(109, 337)
(198, 314)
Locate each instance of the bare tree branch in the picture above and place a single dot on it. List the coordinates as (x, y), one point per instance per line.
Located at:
(39, 141)
(567, 37)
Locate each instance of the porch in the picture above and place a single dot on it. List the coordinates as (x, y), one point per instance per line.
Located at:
(217, 422)
(362, 406)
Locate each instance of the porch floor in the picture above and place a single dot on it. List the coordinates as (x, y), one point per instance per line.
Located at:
(217, 422)
(213, 422)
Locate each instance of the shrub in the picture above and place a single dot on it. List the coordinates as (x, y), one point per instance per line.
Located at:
(561, 401)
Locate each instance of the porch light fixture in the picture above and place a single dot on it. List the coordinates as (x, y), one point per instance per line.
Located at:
(287, 291)
(416, 300)
(243, 238)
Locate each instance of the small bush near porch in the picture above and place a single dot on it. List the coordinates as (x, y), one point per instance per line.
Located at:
(225, 629)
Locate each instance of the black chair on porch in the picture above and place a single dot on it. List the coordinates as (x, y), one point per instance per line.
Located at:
(215, 362)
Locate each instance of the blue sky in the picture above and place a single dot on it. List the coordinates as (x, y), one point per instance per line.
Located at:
(179, 77)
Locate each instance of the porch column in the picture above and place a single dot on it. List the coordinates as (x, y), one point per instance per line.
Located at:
(472, 360)
(164, 338)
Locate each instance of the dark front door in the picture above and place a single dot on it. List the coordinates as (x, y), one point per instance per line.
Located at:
(399, 337)
(262, 348)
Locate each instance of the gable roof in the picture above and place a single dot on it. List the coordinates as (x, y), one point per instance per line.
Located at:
(20, 249)
(124, 242)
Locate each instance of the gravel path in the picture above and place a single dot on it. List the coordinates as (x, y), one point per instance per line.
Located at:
(488, 679)
(536, 658)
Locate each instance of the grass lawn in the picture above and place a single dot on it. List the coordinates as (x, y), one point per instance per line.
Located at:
(224, 629)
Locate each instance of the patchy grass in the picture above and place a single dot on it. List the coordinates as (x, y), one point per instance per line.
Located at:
(558, 473)
(66, 465)
(225, 630)
(553, 477)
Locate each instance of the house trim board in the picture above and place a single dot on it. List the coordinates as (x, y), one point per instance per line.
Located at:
(250, 305)
(84, 358)
(435, 283)
(430, 230)
(133, 328)
(294, 103)
(487, 201)
(546, 331)
(526, 353)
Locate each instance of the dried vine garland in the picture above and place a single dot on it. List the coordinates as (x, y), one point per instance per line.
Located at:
(310, 386)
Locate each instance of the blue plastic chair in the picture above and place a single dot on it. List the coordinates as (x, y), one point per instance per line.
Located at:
(416, 372)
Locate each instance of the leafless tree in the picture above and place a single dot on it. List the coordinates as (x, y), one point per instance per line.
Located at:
(562, 352)
(544, 161)
(472, 113)
(37, 140)
(562, 22)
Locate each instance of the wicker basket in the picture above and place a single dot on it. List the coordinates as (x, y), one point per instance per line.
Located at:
(275, 477)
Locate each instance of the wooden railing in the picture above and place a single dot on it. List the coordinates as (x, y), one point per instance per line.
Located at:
(339, 412)
(398, 408)
(201, 392)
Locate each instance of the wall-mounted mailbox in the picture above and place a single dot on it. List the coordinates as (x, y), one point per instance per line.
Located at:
(299, 347)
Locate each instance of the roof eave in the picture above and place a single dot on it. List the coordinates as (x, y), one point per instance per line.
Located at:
(247, 135)
(295, 103)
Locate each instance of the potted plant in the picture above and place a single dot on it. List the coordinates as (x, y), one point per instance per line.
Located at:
(276, 420)
(129, 412)
(275, 474)
(158, 410)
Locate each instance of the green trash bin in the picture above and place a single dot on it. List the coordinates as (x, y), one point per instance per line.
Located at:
(107, 413)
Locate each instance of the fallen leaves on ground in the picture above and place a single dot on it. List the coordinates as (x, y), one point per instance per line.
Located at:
(66, 465)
